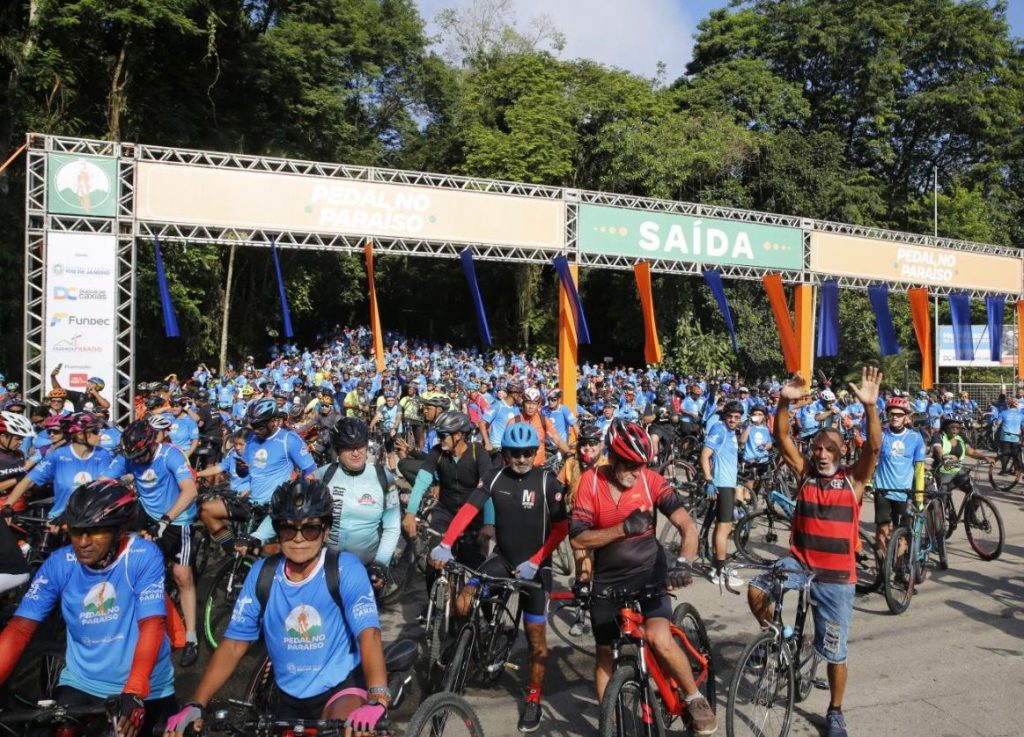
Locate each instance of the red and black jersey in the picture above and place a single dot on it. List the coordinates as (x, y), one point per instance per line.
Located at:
(826, 527)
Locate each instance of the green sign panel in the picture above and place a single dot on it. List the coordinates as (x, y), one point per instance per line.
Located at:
(81, 185)
(643, 234)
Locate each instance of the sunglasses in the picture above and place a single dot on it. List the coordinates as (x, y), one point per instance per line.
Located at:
(522, 453)
(309, 531)
(90, 531)
(631, 467)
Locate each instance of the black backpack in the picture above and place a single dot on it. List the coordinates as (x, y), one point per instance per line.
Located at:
(266, 579)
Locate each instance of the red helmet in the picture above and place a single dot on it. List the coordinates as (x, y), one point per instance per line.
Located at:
(899, 403)
(629, 442)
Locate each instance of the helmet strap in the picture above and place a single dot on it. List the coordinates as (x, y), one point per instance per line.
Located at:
(112, 553)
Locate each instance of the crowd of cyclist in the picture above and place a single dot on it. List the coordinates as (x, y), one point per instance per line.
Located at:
(319, 445)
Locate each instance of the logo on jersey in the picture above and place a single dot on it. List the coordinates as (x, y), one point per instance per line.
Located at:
(148, 476)
(836, 484)
(365, 606)
(897, 447)
(529, 498)
(37, 583)
(259, 458)
(367, 500)
(100, 604)
(82, 477)
(153, 592)
(303, 629)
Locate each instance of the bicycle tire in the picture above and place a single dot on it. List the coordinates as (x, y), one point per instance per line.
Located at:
(807, 661)
(435, 628)
(869, 568)
(898, 570)
(202, 543)
(936, 528)
(399, 572)
(688, 619)
(220, 601)
(35, 678)
(623, 700)
(762, 537)
(499, 646)
(760, 664)
(980, 515)
(1001, 482)
(456, 671)
(432, 716)
(261, 692)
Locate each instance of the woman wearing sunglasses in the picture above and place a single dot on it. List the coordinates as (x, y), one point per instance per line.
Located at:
(324, 644)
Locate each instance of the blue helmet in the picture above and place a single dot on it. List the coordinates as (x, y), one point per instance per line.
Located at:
(520, 435)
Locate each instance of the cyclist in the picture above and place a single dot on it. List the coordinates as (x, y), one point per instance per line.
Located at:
(320, 627)
(367, 513)
(900, 469)
(1008, 423)
(719, 459)
(14, 570)
(109, 585)
(389, 417)
(614, 516)
(756, 445)
(68, 467)
(502, 413)
(167, 492)
(14, 429)
(826, 529)
(357, 401)
(409, 466)
(57, 400)
(828, 411)
(93, 386)
(948, 451)
(529, 523)
(562, 418)
(545, 428)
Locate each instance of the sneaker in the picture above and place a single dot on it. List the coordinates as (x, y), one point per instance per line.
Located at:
(835, 723)
(530, 718)
(702, 719)
(190, 654)
(734, 580)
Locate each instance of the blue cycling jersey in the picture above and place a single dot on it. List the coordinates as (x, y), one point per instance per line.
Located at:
(805, 416)
(498, 417)
(273, 461)
(1009, 425)
(110, 438)
(66, 470)
(725, 447)
(184, 431)
(759, 440)
(895, 469)
(312, 645)
(562, 419)
(102, 609)
(367, 518)
(229, 465)
(157, 482)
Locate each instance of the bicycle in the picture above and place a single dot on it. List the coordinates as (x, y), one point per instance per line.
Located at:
(434, 715)
(1006, 480)
(778, 668)
(438, 621)
(917, 535)
(70, 720)
(484, 642)
(631, 706)
(980, 517)
(222, 721)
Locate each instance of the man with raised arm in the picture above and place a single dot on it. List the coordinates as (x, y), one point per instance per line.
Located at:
(826, 528)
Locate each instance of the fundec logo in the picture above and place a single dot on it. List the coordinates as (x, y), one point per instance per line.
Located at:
(60, 317)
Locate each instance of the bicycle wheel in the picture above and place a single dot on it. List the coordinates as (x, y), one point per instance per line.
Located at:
(869, 574)
(202, 542)
(625, 711)
(898, 570)
(984, 526)
(762, 691)
(1009, 479)
(937, 529)
(220, 602)
(35, 679)
(499, 644)
(262, 692)
(762, 537)
(444, 715)
(436, 626)
(807, 661)
(686, 618)
(562, 561)
(400, 571)
(456, 671)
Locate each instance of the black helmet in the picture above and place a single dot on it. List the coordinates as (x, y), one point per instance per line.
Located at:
(155, 402)
(137, 440)
(453, 421)
(438, 401)
(261, 412)
(350, 432)
(731, 407)
(301, 498)
(103, 503)
(588, 432)
(202, 395)
(759, 408)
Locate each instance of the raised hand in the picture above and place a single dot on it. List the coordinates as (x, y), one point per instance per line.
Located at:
(870, 384)
(794, 389)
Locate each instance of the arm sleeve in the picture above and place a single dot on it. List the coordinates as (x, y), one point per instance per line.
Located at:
(299, 455)
(13, 641)
(489, 512)
(423, 481)
(391, 524)
(558, 532)
(478, 498)
(147, 649)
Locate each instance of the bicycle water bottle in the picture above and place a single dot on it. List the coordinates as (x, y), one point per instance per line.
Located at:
(787, 631)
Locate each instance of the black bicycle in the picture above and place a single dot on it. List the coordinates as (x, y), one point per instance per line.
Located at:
(93, 720)
(981, 519)
(1013, 468)
(444, 714)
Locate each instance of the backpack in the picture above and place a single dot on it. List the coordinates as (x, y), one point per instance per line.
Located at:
(382, 477)
(266, 579)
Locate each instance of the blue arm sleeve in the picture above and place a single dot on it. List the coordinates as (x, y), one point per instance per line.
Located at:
(391, 529)
(489, 512)
(423, 481)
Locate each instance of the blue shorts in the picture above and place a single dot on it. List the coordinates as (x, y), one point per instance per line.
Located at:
(831, 607)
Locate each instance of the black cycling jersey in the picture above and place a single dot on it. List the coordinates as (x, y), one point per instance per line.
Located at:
(12, 466)
(457, 478)
(524, 508)
(11, 559)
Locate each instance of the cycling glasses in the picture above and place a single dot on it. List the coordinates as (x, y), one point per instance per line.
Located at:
(310, 531)
(630, 467)
(521, 452)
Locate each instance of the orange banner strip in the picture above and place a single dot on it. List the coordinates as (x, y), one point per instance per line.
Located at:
(568, 345)
(378, 336)
(652, 347)
(1020, 353)
(921, 314)
(780, 309)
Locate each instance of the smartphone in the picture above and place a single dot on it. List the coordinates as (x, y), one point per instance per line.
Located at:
(59, 367)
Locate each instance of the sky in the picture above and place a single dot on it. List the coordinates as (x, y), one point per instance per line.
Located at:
(632, 34)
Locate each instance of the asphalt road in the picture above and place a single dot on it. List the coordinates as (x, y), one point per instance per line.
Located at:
(952, 665)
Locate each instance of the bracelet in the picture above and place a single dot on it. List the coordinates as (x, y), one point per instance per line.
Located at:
(166, 519)
(682, 561)
(379, 691)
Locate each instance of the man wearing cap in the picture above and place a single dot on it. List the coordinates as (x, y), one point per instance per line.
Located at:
(544, 427)
(503, 413)
(562, 418)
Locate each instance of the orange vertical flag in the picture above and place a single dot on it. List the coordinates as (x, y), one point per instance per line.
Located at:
(921, 314)
(1020, 326)
(378, 336)
(652, 347)
(783, 323)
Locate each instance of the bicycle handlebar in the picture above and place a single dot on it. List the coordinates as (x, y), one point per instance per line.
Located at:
(773, 571)
(52, 714)
(322, 727)
(457, 567)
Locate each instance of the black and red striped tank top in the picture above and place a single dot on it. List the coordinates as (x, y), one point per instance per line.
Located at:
(826, 528)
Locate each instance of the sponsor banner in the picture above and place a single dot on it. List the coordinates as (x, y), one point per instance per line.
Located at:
(81, 185)
(81, 308)
(887, 261)
(643, 234)
(982, 356)
(246, 199)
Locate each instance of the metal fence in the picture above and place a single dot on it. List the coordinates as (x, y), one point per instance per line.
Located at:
(983, 394)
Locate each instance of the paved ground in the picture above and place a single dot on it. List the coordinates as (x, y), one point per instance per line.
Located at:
(953, 665)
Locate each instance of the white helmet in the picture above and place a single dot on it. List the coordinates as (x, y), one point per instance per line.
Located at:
(828, 396)
(18, 425)
(159, 422)
(532, 394)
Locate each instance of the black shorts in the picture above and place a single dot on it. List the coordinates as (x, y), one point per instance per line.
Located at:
(176, 543)
(468, 550)
(604, 614)
(290, 708)
(158, 711)
(726, 503)
(888, 511)
(533, 601)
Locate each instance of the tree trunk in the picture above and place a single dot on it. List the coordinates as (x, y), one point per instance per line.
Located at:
(527, 282)
(116, 100)
(226, 311)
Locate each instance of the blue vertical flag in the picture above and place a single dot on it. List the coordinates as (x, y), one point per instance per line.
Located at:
(994, 306)
(828, 319)
(879, 296)
(960, 309)
(713, 278)
(286, 316)
(474, 289)
(569, 284)
(166, 305)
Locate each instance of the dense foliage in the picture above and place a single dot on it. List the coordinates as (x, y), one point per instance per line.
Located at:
(817, 108)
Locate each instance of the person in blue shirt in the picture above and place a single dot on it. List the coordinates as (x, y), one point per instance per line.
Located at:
(502, 413)
(719, 459)
(167, 491)
(921, 403)
(900, 469)
(1008, 425)
(184, 430)
(757, 438)
(109, 585)
(807, 420)
(323, 638)
(562, 418)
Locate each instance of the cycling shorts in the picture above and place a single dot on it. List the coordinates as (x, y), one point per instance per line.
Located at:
(534, 601)
(158, 711)
(176, 543)
(290, 708)
(468, 550)
(726, 504)
(888, 506)
(604, 614)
